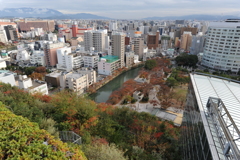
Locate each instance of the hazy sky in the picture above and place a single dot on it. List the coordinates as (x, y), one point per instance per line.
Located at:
(132, 9)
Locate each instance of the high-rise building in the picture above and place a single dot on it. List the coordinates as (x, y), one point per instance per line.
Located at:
(68, 60)
(50, 51)
(99, 41)
(138, 46)
(222, 50)
(197, 44)
(210, 127)
(11, 32)
(95, 39)
(129, 59)
(118, 46)
(186, 41)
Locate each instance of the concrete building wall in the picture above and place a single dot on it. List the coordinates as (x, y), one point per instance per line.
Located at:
(138, 47)
(48, 26)
(222, 51)
(3, 36)
(129, 59)
(3, 64)
(118, 46)
(8, 78)
(50, 51)
(186, 41)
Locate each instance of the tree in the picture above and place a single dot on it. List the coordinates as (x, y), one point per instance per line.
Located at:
(29, 70)
(22, 139)
(150, 64)
(171, 82)
(187, 60)
(40, 69)
(103, 152)
(36, 75)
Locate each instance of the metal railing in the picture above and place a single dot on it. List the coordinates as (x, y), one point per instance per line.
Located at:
(225, 127)
(70, 136)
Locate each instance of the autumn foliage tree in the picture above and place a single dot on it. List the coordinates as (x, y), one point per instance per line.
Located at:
(40, 69)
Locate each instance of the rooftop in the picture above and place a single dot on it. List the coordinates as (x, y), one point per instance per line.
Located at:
(228, 91)
(110, 58)
(224, 24)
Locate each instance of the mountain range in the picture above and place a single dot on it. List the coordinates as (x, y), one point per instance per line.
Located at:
(44, 13)
(54, 14)
(195, 17)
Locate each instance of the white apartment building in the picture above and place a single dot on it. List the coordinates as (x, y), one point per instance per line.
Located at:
(2, 63)
(37, 58)
(32, 86)
(108, 64)
(95, 39)
(222, 49)
(91, 75)
(67, 60)
(118, 46)
(113, 26)
(7, 77)
(74, 81)
(148, 53)
(129, 59)
(91, 61)
(22, 55)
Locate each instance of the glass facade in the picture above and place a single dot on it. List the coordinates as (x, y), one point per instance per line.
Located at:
(194, 140)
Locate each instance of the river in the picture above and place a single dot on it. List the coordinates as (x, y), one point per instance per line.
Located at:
(104, 92)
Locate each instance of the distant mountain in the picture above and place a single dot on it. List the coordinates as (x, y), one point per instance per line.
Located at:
(193, 17)
(28, 12)
(44, 13)
(78, 16)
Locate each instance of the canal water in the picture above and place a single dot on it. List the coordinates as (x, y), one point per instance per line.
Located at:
(104, 92)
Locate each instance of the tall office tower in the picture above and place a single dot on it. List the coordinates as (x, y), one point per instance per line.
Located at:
(222, 50)
(152, 41)
(118, 46)
(50, 51)
(88, 40)
(197, 44)
(138, 47)
(210, 127)
(94, 39)
(99, 41)
(11, 32)
(186, 41)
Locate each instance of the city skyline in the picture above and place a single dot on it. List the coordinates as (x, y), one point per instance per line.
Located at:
(133, 10)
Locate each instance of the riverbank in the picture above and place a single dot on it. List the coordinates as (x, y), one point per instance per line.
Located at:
(93, 89)
(113, 84)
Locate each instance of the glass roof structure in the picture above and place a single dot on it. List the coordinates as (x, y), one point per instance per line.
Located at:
(218, 99)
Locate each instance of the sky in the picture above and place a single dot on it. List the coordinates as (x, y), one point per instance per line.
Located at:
(132, 9)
